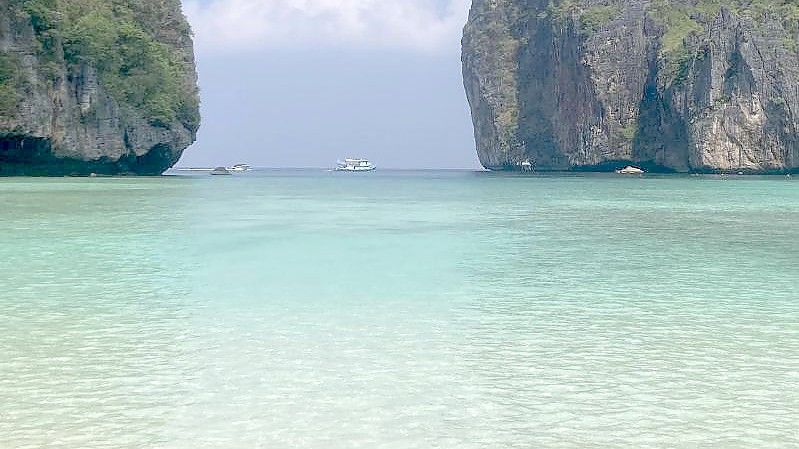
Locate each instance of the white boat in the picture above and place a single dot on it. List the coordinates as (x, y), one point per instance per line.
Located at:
(239, 168)
(630, 170)
(220, 171)
(354, 165)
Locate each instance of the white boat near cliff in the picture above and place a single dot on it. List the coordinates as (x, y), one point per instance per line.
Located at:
(239, 168)
(630, 170)
(220, 171)
(354, 165)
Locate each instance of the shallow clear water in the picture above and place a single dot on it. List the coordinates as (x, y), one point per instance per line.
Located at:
(399, 310)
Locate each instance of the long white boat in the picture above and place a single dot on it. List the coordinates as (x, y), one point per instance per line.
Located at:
(352, 164)
(239, 168)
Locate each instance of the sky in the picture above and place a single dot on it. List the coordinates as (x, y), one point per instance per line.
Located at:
(303, 83)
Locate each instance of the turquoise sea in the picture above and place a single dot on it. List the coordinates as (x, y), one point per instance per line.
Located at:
(306, 309)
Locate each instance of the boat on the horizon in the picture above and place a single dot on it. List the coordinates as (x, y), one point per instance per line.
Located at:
(220, 171)
(354, 164)
(630, 170)
(239, 168)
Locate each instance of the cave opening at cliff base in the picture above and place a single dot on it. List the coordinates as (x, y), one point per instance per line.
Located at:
(20, 148)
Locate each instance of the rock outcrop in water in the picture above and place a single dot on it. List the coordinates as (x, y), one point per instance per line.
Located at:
(669, 85)
(95, 86)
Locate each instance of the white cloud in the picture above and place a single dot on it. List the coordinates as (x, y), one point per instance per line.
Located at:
(243, 25)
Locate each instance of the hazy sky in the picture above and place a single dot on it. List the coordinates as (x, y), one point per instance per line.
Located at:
(302, 83)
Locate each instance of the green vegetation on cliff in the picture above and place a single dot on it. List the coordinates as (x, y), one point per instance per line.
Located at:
(681, 21)
(8, 95)
(596, 17)
(675, 12)
(119, 38)
(9, 82)
(7, 91)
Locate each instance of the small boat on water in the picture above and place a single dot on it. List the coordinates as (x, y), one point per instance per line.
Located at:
(239, 168)
(352, 164)
(220, 171)
(630, 170)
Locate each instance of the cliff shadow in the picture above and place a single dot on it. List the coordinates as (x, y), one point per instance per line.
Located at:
(535, 95)
(661, 139)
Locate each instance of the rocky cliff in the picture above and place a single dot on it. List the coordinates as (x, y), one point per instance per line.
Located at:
(95, 86)
(670, 85)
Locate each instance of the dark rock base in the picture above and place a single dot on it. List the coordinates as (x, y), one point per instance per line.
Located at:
(22, 155)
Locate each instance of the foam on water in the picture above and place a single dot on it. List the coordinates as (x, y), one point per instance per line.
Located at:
(399, 310)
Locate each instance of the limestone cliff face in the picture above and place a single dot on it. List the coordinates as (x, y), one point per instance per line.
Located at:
(703, 86)
(95, 86)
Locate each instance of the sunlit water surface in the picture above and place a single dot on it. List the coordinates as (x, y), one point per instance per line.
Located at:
(399, 310)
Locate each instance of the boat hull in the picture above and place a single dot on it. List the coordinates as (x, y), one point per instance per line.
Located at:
(355, 169)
